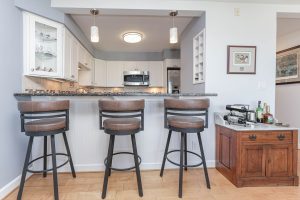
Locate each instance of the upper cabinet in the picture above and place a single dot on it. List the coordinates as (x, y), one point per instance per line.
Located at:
(156, 73)
(100, 73)
(70, 69)
(43, 46)
(136, 65)
(114, 74)
(86, 76)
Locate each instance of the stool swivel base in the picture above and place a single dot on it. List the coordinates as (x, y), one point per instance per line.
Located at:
(108, 164)
(183, 157)
(44, 157)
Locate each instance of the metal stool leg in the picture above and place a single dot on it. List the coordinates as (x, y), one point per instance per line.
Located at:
(109, 155)
(69, 154)
(137, 168)
(185, 151)
(181, 166)
(165, 154)
(29, 148)
(204, 161)
(55, 182)
(45, 156)
(113, 143)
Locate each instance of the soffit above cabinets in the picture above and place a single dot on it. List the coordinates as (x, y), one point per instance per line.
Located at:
(155, 30)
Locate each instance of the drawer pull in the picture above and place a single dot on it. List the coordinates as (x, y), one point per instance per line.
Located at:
(281, 137)
(252, 137)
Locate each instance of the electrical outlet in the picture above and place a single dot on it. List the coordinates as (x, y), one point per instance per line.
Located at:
(236, 11)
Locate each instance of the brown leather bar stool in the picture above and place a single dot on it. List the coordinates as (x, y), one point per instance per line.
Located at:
(183, 116)
(42, 119)
(122, 118)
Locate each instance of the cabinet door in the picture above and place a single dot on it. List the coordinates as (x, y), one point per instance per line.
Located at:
(114, 74)
(143, 65)
(86, 76)
(43, 47)
(100, 73)
(81, 54)
(74, 59)
(253, 159)
(130, 65)
(156, 73)
(280, 160)
(67, 55)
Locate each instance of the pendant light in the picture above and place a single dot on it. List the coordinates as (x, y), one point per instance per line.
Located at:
(94, 28)
(173, 30)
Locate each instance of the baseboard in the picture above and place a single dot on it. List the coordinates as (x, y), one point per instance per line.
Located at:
(143, 166)
(8, 188)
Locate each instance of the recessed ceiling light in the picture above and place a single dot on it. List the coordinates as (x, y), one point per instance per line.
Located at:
(132, 37)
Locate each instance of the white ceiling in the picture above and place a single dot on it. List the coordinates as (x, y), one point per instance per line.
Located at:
(155, 30)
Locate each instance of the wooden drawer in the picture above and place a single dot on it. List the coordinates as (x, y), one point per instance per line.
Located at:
(267, 137)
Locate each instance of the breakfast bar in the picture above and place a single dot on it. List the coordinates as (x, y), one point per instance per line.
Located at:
(89, 144)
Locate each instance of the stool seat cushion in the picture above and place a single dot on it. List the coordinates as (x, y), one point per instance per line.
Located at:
(185, 122)
(44, 125)
(122, 124)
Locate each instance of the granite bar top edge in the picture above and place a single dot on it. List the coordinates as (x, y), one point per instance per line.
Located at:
(117, 94)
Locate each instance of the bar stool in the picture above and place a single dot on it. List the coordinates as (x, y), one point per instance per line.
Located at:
(42, 119)
(183, 116)
(123, 118)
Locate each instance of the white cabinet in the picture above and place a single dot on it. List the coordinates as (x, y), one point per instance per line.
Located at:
(156, 73)
(114, 74)
(43, 46)
(86, 75)
(70, 68)
(136, 65)
(85, 58)
(100, 73)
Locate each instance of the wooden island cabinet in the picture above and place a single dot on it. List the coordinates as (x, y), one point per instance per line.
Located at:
(258, 157)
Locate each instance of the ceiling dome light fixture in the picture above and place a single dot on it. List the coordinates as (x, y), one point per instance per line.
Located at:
(173, 30)
(132, 37)
(94, 28)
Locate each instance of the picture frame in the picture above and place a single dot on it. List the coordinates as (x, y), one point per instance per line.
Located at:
(241, 59)
(287, 66)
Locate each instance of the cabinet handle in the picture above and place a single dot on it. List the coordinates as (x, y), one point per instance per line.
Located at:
(252, 137)
(32, 69)
(281, 137)
(73, 76)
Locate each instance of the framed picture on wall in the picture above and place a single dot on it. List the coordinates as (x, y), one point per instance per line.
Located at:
(241, 59)
(287, 66)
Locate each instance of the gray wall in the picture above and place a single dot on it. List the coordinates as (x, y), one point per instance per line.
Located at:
(186, 55)
(43, 8)
(12, 143)
(139, 56)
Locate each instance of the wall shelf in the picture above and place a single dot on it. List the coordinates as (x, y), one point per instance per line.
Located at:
(199, 58)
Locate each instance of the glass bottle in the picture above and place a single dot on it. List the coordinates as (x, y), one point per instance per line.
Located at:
(268, 117)
(259, 113)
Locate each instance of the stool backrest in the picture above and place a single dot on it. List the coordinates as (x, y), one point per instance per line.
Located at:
(186, 107)
(30, 110)
(121, 109)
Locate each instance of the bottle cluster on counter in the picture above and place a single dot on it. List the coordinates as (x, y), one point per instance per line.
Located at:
(263, 114)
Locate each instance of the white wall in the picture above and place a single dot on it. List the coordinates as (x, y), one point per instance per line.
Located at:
(288, 96)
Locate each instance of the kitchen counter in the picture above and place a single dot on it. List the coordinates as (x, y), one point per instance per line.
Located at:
(218, 117)
(114, 94)
(88, 143)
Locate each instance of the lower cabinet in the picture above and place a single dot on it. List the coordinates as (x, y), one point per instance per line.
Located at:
(257, 158)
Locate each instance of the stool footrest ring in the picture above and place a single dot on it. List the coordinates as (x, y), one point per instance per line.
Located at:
(47, 170)
(177, 164)
(122, 169)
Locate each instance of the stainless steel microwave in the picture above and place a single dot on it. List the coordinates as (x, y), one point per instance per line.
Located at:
(136, 78)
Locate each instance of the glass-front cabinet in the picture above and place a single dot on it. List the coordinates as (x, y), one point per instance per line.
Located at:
(43, 46)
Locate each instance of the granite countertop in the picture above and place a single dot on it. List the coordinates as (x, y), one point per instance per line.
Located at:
(218, 117)
(113, 94)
